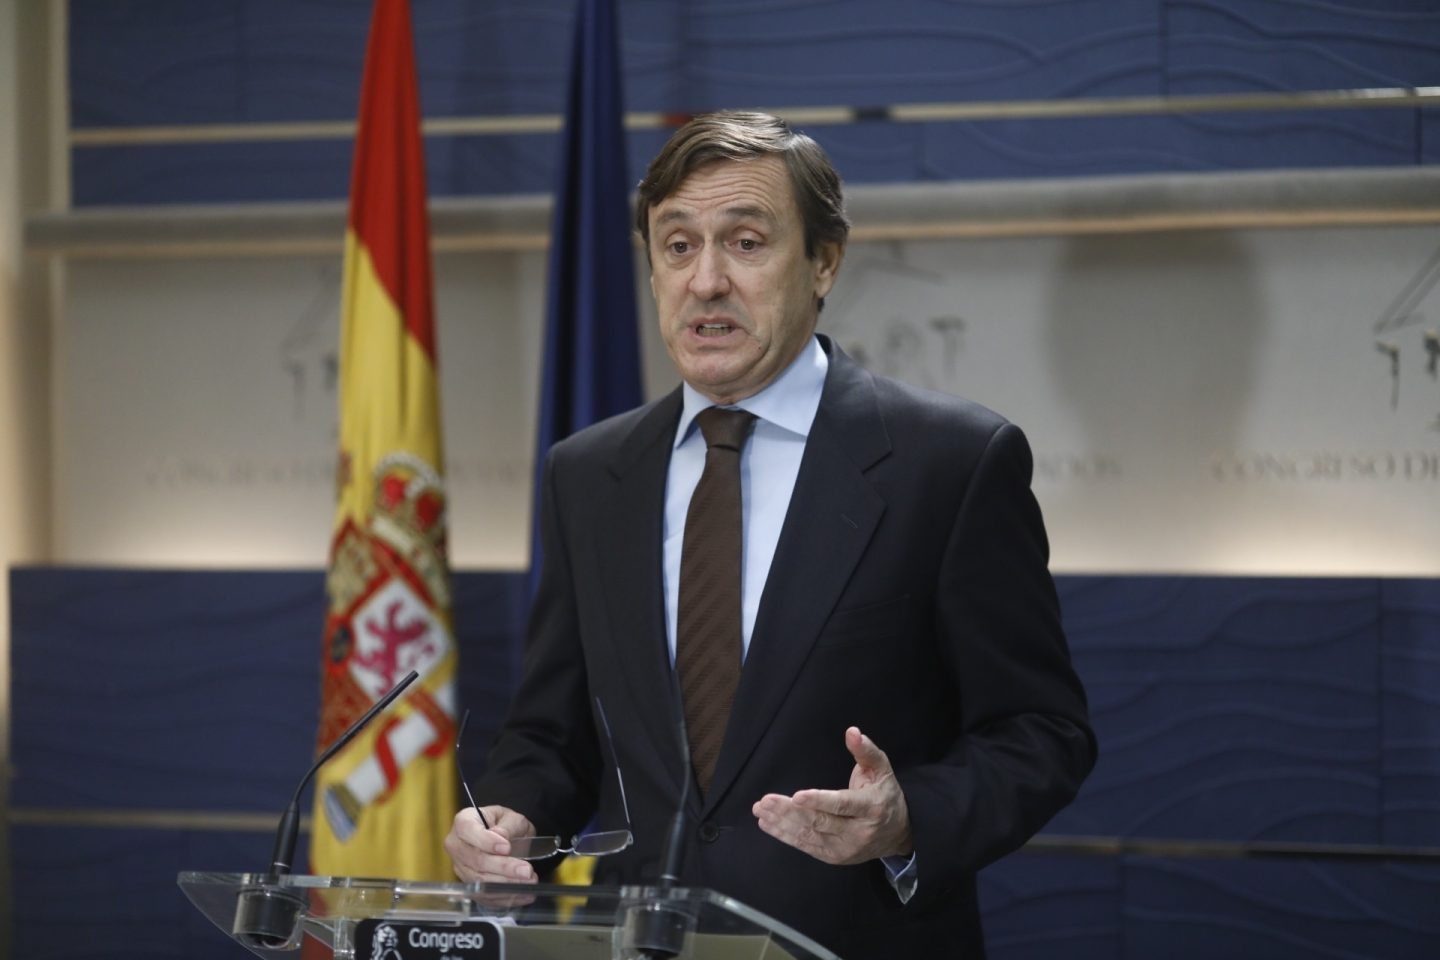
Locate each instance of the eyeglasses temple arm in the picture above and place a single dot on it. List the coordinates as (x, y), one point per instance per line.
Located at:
(619, 777)
(459, 734)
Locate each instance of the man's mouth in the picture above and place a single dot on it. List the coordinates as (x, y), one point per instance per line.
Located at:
(713, 329)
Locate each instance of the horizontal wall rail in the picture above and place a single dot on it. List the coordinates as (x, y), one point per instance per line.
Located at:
(1149, 202)
(1066, 108)
(1157, 847)
(1178, 849)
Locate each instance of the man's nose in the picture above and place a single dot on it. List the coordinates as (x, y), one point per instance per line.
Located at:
(710, 279)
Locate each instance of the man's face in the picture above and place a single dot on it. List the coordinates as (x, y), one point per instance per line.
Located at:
(737, 296)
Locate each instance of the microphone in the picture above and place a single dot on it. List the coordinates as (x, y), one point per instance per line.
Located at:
(655, 929)
(289, 830)
(266, 917)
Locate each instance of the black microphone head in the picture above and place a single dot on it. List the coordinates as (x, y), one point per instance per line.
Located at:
(287, 834)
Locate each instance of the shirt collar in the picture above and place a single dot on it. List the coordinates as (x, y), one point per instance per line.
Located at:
(790, 401)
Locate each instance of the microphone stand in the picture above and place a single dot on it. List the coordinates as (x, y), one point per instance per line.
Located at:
(267, 916)
(655, 928)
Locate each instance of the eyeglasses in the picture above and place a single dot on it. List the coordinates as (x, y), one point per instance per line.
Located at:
(584, 845)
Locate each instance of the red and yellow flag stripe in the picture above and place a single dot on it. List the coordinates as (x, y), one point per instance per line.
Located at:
(383, 805)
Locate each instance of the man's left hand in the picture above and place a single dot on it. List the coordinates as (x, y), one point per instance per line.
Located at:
(865, 821)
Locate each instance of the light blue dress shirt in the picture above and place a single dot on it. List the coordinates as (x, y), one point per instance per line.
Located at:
(769, 465)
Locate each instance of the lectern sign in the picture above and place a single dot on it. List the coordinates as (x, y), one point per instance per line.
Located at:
(395, 940)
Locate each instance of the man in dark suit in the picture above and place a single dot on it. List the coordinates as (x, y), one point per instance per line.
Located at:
(904, 710)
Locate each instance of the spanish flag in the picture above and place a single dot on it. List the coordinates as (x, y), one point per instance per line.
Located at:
(383, 805)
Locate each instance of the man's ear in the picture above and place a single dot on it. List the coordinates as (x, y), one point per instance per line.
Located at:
(827, 267)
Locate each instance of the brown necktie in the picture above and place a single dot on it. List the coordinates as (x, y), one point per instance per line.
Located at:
(708, 638)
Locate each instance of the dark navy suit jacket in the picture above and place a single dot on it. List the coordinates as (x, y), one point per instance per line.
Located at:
(909, 595)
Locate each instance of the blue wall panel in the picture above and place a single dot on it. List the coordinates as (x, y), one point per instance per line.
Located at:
(180, 691)
(1065, 148)
(1038, 907)
(213, 173)
(161, 62)
(1278, 911)
(1410, 730)
(154, 690)
(1262, 45)
(200, 691)
(95, 894)
(1307, 139)
(1041, 907)
(1227, 709)
(859, 53)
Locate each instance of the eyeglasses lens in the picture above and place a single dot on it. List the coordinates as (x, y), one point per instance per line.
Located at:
(534, 848)
(599, 844)
(589, 845)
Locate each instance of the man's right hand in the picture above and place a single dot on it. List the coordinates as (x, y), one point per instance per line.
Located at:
(481, 854)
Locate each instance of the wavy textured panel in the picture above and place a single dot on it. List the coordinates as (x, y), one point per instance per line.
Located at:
(1317, 138)
(235, 61)
(86, 894)
(1410, 718)
(199, 690)
(1236, 709)
(1070, 148)
(1279, 911)
(151, 62)
(213, 173)
(1041, 907)
(192, 690)
(155, 689)
(305, 170)
(859, 52)
(1227, 708)
(156, 62)
(218, 61)
(1214, 45)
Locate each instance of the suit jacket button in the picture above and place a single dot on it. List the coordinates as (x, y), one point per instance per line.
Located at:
(709, 833)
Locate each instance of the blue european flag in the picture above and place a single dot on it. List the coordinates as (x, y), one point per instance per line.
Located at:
(592, 348)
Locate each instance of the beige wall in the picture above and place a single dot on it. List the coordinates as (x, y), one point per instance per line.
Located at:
(1199, 402)
(28, 33)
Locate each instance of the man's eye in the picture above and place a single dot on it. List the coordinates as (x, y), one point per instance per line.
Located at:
(679, 246)
(748, 244)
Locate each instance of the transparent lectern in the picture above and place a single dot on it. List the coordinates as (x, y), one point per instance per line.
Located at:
(361, 919)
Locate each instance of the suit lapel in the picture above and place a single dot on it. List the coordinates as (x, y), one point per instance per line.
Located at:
(628, 558)
(833, 513)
